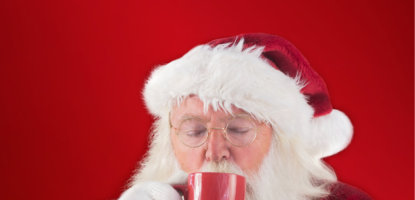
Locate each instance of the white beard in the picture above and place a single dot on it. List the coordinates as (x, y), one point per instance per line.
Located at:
(258, 186)
(279, 177)
(287, 172)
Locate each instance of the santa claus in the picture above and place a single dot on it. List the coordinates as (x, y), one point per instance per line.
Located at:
(249, 105)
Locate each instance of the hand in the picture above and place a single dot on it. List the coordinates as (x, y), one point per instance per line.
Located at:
(151, 190)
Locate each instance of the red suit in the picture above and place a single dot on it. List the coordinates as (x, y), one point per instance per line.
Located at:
(340, 191)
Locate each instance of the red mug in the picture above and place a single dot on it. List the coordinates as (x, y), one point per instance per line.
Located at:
(213, 186)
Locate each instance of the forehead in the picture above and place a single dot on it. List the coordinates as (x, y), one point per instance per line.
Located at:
(194, 107)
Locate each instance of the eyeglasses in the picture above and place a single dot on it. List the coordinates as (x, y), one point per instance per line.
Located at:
(241, 131)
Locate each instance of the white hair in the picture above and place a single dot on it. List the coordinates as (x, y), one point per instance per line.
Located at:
(288, 171)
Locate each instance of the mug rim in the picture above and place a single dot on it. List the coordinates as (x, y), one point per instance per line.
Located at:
(220, 173)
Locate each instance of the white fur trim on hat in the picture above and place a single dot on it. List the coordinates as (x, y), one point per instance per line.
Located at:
(227, 75)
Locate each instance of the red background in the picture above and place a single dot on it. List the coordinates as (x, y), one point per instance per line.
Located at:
(72, 120)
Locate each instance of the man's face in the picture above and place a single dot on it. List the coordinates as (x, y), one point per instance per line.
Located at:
(217, 148)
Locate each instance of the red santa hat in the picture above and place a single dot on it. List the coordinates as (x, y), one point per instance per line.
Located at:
(266, 76)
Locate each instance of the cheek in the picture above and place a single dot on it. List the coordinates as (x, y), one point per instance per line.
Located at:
(190, 159)
(247, 158)
(250, 157)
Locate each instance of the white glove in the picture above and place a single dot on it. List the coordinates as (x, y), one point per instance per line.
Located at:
(151, 190)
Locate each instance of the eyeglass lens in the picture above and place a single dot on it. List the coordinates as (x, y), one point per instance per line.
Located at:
(240, 132)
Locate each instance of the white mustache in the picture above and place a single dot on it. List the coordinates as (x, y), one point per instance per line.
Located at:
(222, 167)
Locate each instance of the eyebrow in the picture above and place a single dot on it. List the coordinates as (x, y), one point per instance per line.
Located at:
(227, 118)
(188, 116)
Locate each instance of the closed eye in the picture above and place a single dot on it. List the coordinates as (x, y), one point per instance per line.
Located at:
(239, 130)
(195, 133)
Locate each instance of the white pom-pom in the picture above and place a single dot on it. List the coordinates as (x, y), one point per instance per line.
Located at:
(330, 134)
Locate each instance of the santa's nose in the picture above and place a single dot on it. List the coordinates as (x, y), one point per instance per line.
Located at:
(218, 148)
